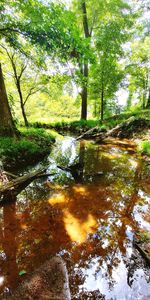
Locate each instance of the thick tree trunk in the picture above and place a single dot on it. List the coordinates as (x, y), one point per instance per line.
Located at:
(7, 127)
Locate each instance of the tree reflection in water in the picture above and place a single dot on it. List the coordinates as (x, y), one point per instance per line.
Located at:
(90, 223)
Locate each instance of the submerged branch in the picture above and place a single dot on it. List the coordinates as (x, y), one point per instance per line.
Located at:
(14, 187)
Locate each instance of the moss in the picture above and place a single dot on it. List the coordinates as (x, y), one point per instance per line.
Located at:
(30, 147)
(11, 132)
(38, 134)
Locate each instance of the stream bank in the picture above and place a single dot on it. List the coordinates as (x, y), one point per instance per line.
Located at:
(31, 146)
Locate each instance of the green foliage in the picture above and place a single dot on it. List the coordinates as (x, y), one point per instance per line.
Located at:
(37, 133)
(33, 145)
(107, 72)
(79, 125)
(13, 148)
(138, 70)
(22, 272)
(49, 39)
(144, 147)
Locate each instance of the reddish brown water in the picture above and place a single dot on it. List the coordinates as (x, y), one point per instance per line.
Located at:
(88, 219)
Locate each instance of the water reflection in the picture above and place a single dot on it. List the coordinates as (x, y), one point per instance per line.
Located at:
(88, 219)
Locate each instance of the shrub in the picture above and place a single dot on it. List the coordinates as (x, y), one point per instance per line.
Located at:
(144, 147)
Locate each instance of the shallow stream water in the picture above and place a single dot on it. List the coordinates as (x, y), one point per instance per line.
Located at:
(88, 216)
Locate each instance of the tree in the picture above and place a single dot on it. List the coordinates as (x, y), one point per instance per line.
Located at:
(50, 26)
(107, 72)
(84, 66)
(7, 126)
(138, 70)
(106, 77)
(27, 76)
(93, 18)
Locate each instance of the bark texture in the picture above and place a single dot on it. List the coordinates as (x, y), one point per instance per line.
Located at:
(7, 127)
(85, 69)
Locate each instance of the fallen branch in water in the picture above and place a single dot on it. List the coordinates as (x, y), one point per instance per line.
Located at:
(88, 133)
(14, 187)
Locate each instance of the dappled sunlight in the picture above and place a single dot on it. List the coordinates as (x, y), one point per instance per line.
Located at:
(80, 189)
(111, 156)
(76, 229)
(23, 226)
(1, 280)
(133, 163)
(56, 199)
(54, 186)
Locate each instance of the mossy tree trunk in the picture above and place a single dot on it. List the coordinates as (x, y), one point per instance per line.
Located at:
(7, 126)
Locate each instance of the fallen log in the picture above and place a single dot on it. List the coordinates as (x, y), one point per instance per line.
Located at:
(50, 281)
(15, 186)
(87, 133)
(127, 129)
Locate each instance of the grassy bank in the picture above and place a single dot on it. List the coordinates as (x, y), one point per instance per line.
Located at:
(32, 145)
(78, 126)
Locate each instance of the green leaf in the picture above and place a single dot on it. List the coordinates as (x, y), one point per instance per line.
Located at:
(22, 272)
(37, 241)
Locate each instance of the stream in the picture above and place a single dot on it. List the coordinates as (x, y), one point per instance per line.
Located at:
(88, 217)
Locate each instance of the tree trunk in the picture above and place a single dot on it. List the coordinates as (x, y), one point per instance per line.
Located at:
(84, 94)
(148, 101)
(7, 127)
(85, 71)
(21, 103)
(95, 108)
(129, 100)
(24, 115)
(102, 105)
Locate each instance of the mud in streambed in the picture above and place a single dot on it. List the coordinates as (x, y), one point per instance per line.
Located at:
(89, 218)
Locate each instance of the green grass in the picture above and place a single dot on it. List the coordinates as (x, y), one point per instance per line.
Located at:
(144, 147)
(37, 134)
(13, 148)
(108, 123)
(32, 145)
